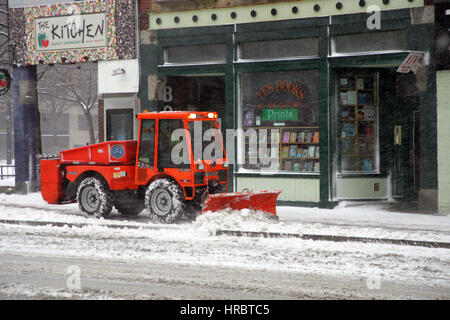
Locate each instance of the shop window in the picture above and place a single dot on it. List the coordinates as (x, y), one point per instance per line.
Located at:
(358, 134)
(370, 42)
(276, 49)
(279, 118)
(119, 124)
(196, 54)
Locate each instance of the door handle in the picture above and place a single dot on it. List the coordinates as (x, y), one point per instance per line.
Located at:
(397, 135)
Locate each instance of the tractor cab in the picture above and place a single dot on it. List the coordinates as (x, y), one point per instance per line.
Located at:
(186, 147)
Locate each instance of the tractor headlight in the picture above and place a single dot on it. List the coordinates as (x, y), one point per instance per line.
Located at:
(225, 164)
(200, 166)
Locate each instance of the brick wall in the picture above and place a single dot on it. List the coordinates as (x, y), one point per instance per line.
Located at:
(144, 7)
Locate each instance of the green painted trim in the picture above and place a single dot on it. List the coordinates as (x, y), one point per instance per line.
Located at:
(192, 70)
(294, 25)
(359, 176)
(324, 117)
(328, 204)
(277, 175)
(263, 12)
(192, 40)
(307, 204)
(150, 52)
(357, 23)
(278, 34)
(391, 25)
(230, 100)
(193, 32)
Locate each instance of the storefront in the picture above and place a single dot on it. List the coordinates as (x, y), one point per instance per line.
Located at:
(118, 85)
(317, 84)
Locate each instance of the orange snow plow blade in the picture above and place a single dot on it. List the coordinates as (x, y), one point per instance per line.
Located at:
(259, 201)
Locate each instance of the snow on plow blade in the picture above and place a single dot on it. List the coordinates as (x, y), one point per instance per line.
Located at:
(263, 200)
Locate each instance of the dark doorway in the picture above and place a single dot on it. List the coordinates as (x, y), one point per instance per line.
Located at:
(195, 93)
(405, 115)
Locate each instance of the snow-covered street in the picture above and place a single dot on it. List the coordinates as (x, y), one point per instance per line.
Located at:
(188, 260)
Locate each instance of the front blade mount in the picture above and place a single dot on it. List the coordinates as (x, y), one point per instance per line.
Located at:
(259, 201)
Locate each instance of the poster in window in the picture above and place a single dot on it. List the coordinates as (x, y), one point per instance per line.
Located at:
(289, 97)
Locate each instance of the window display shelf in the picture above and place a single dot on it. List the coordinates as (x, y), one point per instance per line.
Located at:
(298, 149)
(358, 114)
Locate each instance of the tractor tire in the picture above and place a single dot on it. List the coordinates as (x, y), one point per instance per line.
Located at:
(164, 200)
(94, 198)
(130, 209)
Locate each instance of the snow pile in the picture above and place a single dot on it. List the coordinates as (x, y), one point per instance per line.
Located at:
(244, 220)
(9, 182)
(374, 220)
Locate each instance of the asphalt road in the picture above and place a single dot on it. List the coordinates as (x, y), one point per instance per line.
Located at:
(28, 276)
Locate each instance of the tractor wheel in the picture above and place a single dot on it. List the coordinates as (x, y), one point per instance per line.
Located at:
(94, 198)
(130, 209)
(165, 201)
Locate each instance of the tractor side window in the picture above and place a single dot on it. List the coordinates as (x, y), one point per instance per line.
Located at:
(147, 141)
(168, 140)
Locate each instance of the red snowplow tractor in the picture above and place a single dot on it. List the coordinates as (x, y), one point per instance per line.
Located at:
(177, 167)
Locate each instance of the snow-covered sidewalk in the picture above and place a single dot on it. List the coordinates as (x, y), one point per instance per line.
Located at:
(366, 214)
(348, 219)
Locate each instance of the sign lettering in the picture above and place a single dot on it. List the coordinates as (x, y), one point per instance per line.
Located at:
(70, 32)
(280, 114)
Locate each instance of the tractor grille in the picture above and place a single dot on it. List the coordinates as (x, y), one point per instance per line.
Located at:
(199, 178)
(223, 175)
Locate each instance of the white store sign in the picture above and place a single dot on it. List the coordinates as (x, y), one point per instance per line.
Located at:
(70, 32)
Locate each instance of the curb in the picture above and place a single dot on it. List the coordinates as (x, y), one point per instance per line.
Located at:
(319, 237)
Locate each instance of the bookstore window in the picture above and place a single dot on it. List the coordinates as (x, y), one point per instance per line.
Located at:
(279, 118)
(358, 119)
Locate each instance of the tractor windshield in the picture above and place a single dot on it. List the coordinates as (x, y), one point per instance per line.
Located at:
(206, 138)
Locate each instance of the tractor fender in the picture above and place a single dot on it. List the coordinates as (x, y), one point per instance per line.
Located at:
(161, 176)
(170, 177)
(115, 177)
(89, 173)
